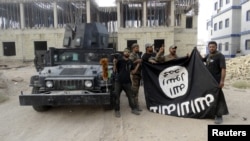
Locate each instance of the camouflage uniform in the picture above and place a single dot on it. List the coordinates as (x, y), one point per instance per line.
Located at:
(136, 79)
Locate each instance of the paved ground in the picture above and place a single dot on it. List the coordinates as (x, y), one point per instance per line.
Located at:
(86, 123)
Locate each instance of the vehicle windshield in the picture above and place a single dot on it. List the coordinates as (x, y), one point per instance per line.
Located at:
(76, 57)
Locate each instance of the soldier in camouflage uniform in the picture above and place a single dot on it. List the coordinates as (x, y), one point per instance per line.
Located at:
(136, 77)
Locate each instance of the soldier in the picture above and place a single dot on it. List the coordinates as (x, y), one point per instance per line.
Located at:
(123, 67)
(172, 54)
(149, 52)
(216, 64)
(136, 77)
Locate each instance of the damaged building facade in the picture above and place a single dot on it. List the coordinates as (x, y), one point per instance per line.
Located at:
(28, 26)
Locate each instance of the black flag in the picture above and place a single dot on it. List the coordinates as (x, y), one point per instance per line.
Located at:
(182, 87)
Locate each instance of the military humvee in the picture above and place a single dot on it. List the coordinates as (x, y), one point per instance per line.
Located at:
(74, 74)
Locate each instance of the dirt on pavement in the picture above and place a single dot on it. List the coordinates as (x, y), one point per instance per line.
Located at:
(93, 123)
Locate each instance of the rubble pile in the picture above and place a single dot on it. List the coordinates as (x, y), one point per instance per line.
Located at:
(238, 69)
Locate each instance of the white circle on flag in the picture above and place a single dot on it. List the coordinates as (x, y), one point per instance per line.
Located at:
(174, 81)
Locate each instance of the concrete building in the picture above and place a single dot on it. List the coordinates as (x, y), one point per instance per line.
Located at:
(27, 26)
(230, 26)
(245, 28)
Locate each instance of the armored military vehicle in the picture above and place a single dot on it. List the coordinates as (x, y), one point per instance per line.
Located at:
(79, 73)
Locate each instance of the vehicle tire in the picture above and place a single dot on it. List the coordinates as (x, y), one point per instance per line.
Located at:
(39, 108)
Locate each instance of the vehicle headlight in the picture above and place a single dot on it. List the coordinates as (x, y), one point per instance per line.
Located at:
(49, 84)
(88, 83)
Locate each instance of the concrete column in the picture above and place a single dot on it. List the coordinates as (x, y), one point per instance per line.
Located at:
(195, 21)
(88, 11)
(144, 20)
(172, 14)
(183, 20)
(55, 14)
(121, 16)
(118, 14)
(22, 16)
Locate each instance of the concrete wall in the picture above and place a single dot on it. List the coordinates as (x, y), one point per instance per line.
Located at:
(245, 28)
(243, 43)
(185, 39)
(234, 45)
(24, 41)
(245, 24)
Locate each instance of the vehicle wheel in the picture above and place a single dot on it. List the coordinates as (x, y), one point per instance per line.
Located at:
(39, 108)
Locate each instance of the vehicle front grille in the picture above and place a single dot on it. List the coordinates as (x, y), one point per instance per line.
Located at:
(68, 84)
(73, 71)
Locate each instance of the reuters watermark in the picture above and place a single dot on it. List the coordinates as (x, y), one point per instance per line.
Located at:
(235, 132)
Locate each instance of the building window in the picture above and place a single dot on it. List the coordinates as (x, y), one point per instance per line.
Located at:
(9, 49)
(227, 23)
(215, 6)
(221, 3)
(215, 26)
(130, 43)
(226, 46)
(248, 15)
(220, 25)
(247, 44)
(9, 15)
(227, 1)
(189, 22)
(208, 24)
(158, 43)
(220, 47)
